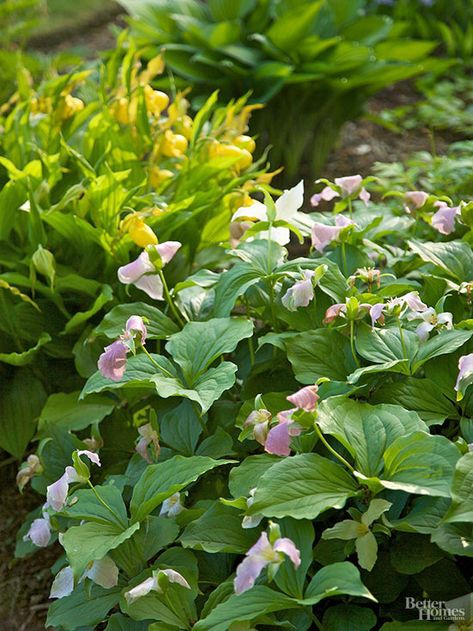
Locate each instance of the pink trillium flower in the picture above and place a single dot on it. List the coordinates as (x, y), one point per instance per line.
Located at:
(263, 554)
(323, 235)
(142, 272)
(149, 436)
(377, 313)
(431, 320)
(39, 532)
(305, 399)
(279, 437)
(411, 300)
(171, 506)
(155, 583)
(259, 420)
(103, 572)
(112, 362)
(334, 312)
(350, 186)
(56, 493)
(444, 219)
(413, 200)
(301, 293)
(465, 367)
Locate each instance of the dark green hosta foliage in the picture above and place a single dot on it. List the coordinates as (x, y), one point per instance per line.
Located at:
(357, 498)
(313, 63)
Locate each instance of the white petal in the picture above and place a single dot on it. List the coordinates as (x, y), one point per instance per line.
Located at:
(290, 201)
(256, 212)
(63, 583)
(103, 572)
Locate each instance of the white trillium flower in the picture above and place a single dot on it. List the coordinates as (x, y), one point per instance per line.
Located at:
(287, 209)
(430, 321)
(102, 572)
(172, 506)
(154, 583)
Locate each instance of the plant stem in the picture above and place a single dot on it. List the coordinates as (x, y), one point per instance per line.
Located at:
(401, 335)
(344, 259)
(332, 450)
(352, 342)
(104, 503)
(317, 622)
(155, 363)
(170, 301)
(350, 209)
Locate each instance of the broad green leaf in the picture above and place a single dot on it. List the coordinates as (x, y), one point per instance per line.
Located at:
(291, 27)
(199, 344)
(454, 257)
(243, 478)
(180, 428)
(289, 579)
(420, 463)
(21, 401)
(119, 622)
(385, 345)
(232, 285)
(366, 431)
(333, 580)
(255, 602)
(397, 365)
(302, 487)
(91, 541)
(85, 505)
(425, 515)
(66, 411)
(79, 318)
(158, 324)
(86, 606)
(26, 357)
(455, 538)
(441, 344)
(219, 530)
(412, 553)
(462, 505)
(320, 353)
(160, 481)
(349, 618)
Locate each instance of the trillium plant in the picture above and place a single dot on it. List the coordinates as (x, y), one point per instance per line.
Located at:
(269, 439)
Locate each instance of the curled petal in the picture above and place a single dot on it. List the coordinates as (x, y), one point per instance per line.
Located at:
(39, 532)
(287, 547)
(103, 572)
(465, 367)
(247, 573)
(112, 362)
(255, 212)
(279, 437)
(349, 184)
(93, 457)
(342, 222)
(423, 331)
(130, 273)
(376, 313)
(364, 196)
(63, 584)
(300, 294)
(323, 235)
(414, 200)
(326, 195)
(334, 312)
(56, 493)
(444, 219)
(141, 589)
(135, 324)
(174, 577)
(167, 250)
(305, 399)
(413, 301)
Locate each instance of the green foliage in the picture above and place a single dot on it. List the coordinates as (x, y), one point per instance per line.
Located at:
(313, 63)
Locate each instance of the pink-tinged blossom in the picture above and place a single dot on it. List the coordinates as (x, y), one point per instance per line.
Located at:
(305, 399)
(411, 300)
(413, 200)
(349, 186)
(430, 320)
(377, 313)
(323, 235)
(262, 554)
(56, 493)
(279, 437)
(326, 195)
(154, 583)
(444, 219)
(103, 572)
(39, 532)
(259, 421)
(465, 368)
(171, 506)
(148, 436)
(28, 470)
(301, 293)
(112, 362)
(135, 325)
(334, 312)
(142, 272)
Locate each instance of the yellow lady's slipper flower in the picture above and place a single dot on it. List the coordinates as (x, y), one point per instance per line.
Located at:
(184, 126)
(156, 101)
(140, 233)
(157, 176)
(267, 178)
(173, 145)
(245, 142)
(122, 113)
(70, 106)
(41, 105)
(220, 150)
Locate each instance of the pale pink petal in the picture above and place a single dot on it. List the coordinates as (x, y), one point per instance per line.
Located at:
(103, 572)
(112, 362)
(130, 273)
(444, 219)
(423, 330)
(349, 184)
(364, 196)
(334, 312)
(247, 573)
(56, 493)
(342, 222)
(413, 301)
(323, 235)
(167, 250)
(39, 532)
(287, 547)
(300, 294)
(305, 399)
(63, 584)
(376, 313)
(278, 440)
(465, 367)
(93, 457)
(414, 200)
(135, 324)
(152, 285)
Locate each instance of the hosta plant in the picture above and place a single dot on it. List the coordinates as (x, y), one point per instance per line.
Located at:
(93, 165)
(314, 63)
(289, 444)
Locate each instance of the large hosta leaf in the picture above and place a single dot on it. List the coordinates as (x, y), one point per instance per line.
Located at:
(160, 481)
(386, 345)
(455, 257)
(335, 579)
(302, 487)
(87, 606)
(462, 491)
(366, 431)
(159, 326)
